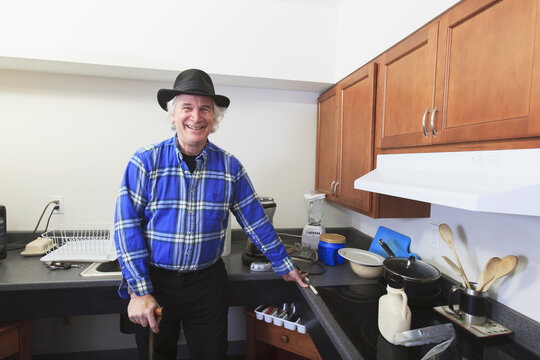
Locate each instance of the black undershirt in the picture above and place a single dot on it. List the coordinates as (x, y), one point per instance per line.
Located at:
(190, 162)
(188, 159)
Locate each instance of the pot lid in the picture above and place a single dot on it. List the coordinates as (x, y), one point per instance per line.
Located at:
(412, 269)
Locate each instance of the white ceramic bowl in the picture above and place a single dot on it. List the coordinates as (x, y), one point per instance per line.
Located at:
(364, 263)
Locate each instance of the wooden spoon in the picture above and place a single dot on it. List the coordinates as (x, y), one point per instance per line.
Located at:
(448, 237)
(488, 273)
(454, 267)
(506, 266)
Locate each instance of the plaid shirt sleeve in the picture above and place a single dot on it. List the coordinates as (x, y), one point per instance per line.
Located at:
(250, 214)
(131, 246)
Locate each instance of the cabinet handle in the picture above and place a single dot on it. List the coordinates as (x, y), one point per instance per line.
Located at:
(332, 188)
(424, 122)
(335, 188)
(432, 120)
(284, 339)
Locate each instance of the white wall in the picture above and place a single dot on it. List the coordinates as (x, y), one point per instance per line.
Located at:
(73, 135)
(262, 38)
(478, 237)
(368, 28)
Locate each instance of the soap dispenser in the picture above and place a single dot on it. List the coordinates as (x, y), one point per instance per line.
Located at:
(394, 313)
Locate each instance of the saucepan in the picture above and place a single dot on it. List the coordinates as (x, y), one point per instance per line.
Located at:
(420, 279)
(365, 264)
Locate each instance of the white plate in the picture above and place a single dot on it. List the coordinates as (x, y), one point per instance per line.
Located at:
(361, 257)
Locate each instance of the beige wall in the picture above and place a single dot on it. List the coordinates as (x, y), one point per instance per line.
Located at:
(73, 135)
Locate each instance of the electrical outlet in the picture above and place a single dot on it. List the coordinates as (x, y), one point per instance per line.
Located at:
(434, 237)
(60, 200)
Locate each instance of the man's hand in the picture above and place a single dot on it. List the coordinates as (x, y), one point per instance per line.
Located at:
(297, 276)
(141, 311)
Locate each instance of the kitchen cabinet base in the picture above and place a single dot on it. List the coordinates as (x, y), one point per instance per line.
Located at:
(268, 341)
(15, 340)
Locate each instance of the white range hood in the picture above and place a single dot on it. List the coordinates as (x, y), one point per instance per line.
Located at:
(500, 181)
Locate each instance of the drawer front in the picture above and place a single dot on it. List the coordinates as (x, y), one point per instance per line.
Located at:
(285, 339)
(9, 342)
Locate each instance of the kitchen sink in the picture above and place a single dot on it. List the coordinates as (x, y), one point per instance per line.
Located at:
(110, 268)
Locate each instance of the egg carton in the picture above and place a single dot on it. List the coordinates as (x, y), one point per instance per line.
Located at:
(271, 314)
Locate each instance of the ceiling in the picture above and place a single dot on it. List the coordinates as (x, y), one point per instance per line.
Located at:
(317, 3)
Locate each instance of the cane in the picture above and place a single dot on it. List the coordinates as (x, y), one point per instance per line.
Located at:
(157, 313)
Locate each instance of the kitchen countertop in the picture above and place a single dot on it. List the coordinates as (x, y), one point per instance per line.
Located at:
(33, 291)
(18, 272)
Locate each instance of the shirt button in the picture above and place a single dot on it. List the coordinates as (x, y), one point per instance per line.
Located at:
(189, 232)
(191, 211)
(187, 252)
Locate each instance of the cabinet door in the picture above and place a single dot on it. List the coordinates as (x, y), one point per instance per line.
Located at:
(327, 146)
(486, 71)
(357, 129)
(408, 80)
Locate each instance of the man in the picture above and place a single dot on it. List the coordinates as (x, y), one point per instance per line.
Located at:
(171, 216)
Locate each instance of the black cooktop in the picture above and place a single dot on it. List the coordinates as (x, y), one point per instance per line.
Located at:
(355, 308)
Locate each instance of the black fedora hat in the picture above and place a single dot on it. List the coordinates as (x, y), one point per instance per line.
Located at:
(192, 82)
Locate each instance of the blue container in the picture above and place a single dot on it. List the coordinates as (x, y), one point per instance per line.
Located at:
(329, 245)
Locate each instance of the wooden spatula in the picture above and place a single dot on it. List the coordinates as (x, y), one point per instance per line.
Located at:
(448, 237)
(506, 266)
(488, 273)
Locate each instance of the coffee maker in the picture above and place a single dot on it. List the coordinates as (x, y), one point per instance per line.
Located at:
(252, 253)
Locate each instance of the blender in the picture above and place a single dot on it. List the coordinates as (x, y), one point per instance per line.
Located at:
(315, 210)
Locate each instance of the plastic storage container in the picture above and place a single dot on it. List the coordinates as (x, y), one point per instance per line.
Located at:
(329, 245)
(271, 314)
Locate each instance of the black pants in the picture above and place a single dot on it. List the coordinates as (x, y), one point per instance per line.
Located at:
(197, 301)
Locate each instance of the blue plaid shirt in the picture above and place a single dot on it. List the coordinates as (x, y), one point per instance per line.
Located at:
(173, 219)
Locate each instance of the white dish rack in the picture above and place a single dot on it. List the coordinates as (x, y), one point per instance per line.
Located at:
(81, 243)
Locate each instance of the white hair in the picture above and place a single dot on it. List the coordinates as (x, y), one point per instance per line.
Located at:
(219, 112)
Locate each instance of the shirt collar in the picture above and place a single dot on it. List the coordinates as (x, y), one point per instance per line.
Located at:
(203, 155)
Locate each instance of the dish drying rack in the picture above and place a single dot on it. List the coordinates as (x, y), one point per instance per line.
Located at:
(81, 243)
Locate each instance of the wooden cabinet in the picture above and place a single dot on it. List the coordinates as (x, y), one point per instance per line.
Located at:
(471, 75)
(327, 142)
(408, 89)
(268, 341)
(346, 121)
(15, 340)
(345, 148)
(357, 124)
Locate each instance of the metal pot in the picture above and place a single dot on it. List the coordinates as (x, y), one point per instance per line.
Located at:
(420, 279)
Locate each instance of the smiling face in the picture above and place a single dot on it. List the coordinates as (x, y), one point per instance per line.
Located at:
(193, 118)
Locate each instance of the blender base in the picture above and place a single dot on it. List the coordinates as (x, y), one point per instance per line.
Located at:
(311, 236)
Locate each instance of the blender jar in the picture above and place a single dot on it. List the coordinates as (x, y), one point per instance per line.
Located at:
(315, 208)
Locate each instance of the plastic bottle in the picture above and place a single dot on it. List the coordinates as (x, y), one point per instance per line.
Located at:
(394, 313)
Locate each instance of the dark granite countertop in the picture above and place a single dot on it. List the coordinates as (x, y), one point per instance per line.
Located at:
(18, 272)
(23, 277)
(33, 291)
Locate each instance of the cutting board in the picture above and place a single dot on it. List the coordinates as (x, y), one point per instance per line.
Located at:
(397, 242)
